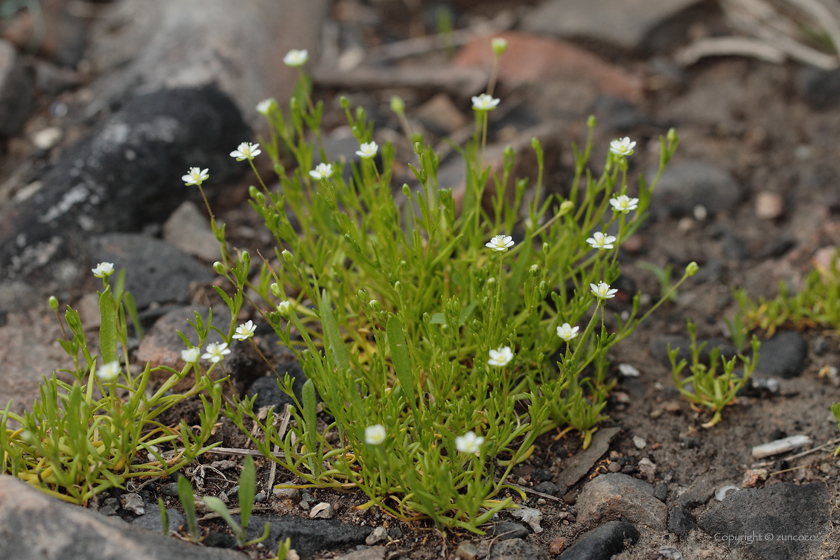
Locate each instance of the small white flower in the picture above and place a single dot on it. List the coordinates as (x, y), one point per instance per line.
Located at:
(190, 355)
(603, 291)
(500, 357)
(322, 171)
(284, 306)
(567, 332)
(245, 331)
(195, 176)
(500, 243)
(295, 58)
(601, 241)
(265, 106)
(624, 203)
(623, 147)
(246, 150)
(103, 269)
(375, 435)
(469, 442)
(216, 352)
(485, 102)
(367, 150)
(109, 371)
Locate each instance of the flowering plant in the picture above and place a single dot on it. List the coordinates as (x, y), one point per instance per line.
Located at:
(104, 429)
(440, 346)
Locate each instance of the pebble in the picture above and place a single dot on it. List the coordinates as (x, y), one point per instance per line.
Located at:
(769, 205)
(684, 185)
(557, 545)
(670, 553)
(304, 504)
(614, 467)
(783, 355)
(639, 442)
(290, 493)
(47, 138)
(189, 230)
(780, 446)
(627, 370)
(647, 469)
(467, 551)
(602, 543)
(516, 549)
(752, 477)
(170, 489)
(721, 492)
(378, 534)
(507, 530)
(324, 510)
(820, 346)
(610, 495)
(660, 491)
(680, 521)
(395, 532)
(531, 516)
(260, 497)
(133, 503)
(547, 487)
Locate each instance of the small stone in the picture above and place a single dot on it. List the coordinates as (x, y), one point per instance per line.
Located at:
(304, 505)
(395, 533)
(378, 534)
(609, 495)
(614, 467)
(821, 346)
(670, 553)
(721, 492)
(639, 442)
(684, 185)
(647, 468)
(516, 549)
(680, 521)
(284, 493)
(507, 530)
(541, 475)
(151, 520)
(47, 138)
(627, 370)
(557, 545)
(133, 503)
(322, 510)
(170, 489)
(674, 407)
(547, 487)
(531, 516)
(783, 355)
(750, 479)
(602, 543)
(769, 205)
(189, 230)
(780, 446)
(660, 491)
(260, 497)
(440, 115)
(467, 551)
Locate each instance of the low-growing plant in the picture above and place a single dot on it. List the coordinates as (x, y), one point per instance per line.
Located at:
(441, 347)
(102, 429)
(737, 331)
(247, 492)
(705, 386)
(817, 304)
(185, 495)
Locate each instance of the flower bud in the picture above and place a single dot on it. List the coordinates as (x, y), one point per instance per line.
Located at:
(285, 309)
(288, 256)
(397, 105)
(375, 305)
(546, 248)
(219, 267)
(535, 270)
(406, 191)
(566, 207)
(252, 191)
(53, 303)
(543, 287)
(275, 290)
(246, 258)
(361, 294)
(499, 46)
(491, 282)
(345, 104)
(590, 122)
(398, 286)
(672, 136)
(692, 268)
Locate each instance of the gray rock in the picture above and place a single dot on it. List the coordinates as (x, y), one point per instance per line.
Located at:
(133, 503)
(125, 174)
(36, 526)
(189, 230)
(507, 530)
(547, 487)
(151, 520)
(308, 536)
(147, 45)
(17, 96)
(466, 550)
(698, 494)
(156, 272)
(680, 521)
(603, 542)
(685, 185)
(819, 88)
(268, 390)
(516, 549)
(783, 355)
(660, 491)
(163, 346)
(628, 25)
(372, 553)
(776, 522)
(575, 468)
(614, 494)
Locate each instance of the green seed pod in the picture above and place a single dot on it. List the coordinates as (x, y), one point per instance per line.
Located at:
(397, 105)
(672, 136)
(375, 305)
(691, 269)
(534, 270)
(590, 122)
(275, 290)
(53, 303)
(219, 267)
(345, 104)
(288, 256)
(252, 191)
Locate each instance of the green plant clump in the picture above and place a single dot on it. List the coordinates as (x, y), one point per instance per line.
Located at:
(705, 386)
(100, 430)
(441, 347)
